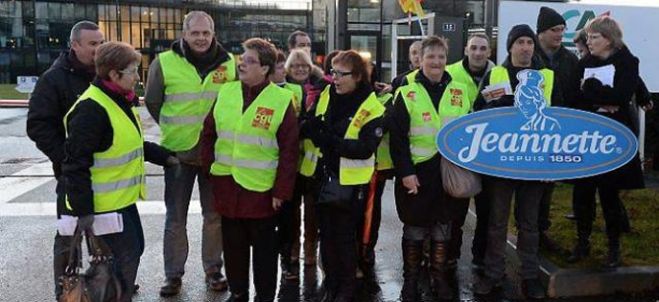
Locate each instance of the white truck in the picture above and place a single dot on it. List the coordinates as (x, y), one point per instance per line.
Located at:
(634, 16)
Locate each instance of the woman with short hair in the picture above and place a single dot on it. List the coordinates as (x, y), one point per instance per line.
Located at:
(345, 127)
(612, 100)
(249, 146)
(105, 151)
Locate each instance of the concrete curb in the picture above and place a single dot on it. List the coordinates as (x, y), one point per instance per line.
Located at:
(565, 283)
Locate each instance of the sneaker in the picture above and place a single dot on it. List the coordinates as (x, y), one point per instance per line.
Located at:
(533, 289)
(485, 285)
(172, 287)
(217, 282)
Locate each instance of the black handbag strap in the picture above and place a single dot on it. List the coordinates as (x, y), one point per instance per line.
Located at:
(73, 266)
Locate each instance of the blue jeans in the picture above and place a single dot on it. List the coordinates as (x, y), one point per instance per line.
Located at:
(178, 191)
(527, 195)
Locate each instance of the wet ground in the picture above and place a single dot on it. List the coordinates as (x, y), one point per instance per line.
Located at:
(27, 227)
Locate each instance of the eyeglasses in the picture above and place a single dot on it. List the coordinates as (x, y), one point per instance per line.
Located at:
(129, 71)
(339, 74)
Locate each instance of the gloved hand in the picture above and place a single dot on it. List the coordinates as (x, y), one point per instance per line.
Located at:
(85, 223)
(327, 139)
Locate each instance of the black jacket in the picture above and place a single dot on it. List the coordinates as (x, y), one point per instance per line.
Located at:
(509, 100)
(328, 134)
(428, 206)
(593, 95)
(90, 131)
(56, 91)
(564, 64)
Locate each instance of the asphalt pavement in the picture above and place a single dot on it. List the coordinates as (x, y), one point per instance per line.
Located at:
(27, 227)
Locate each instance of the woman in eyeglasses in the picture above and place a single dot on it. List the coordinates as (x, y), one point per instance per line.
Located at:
(103, 169)
(345, 127)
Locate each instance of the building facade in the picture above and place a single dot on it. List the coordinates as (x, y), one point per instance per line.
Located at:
(33, 32)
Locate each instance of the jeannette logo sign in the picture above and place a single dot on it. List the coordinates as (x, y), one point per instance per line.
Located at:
(533, 142)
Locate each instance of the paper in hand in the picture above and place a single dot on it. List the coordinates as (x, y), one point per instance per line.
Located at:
(604, 74)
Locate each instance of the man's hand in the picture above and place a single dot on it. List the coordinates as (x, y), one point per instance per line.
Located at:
(85, 223)
(411, 183)
(276, 203)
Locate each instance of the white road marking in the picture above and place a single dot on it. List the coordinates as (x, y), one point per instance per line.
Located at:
(18, 209)
(16, 185)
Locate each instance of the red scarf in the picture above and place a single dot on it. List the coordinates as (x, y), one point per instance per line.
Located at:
(129, 95)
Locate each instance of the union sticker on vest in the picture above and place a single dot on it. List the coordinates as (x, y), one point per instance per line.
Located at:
(361, 116)
(263, 118)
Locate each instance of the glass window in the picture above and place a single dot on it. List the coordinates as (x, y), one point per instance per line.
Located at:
(112, 12)
(154, 12)
(54, 11)
(125, 13)
(68, 11)
(82, 14)
(91, 12)
(125, 33)
(42, 10)
(28, 10)
(170, 15)
(102, 13)
(135, 14)
(135, 35)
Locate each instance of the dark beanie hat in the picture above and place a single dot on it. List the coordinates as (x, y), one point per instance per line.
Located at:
(519, 30)
(548, 18)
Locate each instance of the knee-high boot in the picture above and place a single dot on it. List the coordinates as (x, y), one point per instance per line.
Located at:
(412, 253)
(438, 268)
(582, 248)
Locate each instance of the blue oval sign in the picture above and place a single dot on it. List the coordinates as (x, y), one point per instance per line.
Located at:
(531, 142)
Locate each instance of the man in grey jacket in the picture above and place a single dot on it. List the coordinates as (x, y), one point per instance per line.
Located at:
(181, 89)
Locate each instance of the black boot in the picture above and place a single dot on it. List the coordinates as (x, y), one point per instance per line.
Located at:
(582, 249)
(438, 269)
(613, 258)
(412, 253)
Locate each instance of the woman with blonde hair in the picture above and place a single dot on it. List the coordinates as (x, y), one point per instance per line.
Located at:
(612, 100)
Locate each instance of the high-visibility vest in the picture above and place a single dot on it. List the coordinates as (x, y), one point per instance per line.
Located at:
(351, 171)
(499, 74)
(426, 121)
(117, 174)
(246, 147)
(383, 159)
(297, 96)
(460, 74)
(188, 99)
(411, 76)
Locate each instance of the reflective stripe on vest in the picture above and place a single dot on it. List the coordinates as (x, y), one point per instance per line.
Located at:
(246, 147)
(458, 73)
(425, 121)
(188, 99)
(499, 74)
(297, 96)
(117, 175)
(351, 171)
(383, 159)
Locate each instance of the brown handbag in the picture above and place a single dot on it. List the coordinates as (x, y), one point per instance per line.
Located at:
(99, 283)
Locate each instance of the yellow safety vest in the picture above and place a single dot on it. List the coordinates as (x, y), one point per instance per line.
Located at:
(460, 74)
(188, 99)
(117, 175)
(297, 96)
(246, 147)
(351, 171)
(426, 121)
(383, 159)
(411, 76)
(499, 74)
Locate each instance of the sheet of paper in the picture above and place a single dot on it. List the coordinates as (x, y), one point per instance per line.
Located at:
(108, 223)
(604, 74)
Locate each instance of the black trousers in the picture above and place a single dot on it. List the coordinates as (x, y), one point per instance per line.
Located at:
(238, 236)
(543, 211)
(459, 209)
(338, 230)
(584, 195)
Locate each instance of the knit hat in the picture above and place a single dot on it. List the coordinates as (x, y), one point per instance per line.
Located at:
(548, 18)
(520, 30)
